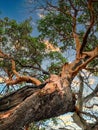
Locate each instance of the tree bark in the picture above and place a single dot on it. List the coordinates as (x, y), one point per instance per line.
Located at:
(44, 101)
(31, 104)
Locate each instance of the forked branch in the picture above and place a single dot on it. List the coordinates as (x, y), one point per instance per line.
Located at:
(18, 78)
(91, 55)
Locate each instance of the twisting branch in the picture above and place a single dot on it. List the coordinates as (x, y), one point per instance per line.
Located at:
(81, 63)
(21, 79)
(90, 7)
(18, 78)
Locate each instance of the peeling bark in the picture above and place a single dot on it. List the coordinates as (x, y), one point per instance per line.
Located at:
(30, 104)
(43, 101)
(47, 100)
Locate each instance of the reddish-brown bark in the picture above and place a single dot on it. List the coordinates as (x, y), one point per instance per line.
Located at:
(44, 101)
(51, 99)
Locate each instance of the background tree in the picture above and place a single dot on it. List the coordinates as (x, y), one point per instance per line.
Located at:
(66, 24)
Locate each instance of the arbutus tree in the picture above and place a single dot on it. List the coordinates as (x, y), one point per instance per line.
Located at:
(65, 24)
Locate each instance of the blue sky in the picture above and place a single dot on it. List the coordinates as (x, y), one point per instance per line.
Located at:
(14, 9)
(18, 10)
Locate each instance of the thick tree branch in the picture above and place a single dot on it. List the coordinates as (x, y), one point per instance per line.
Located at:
(54, 99)
(21, 79)
(36, 105)
(90, 7)
(75, 35)
(91, 55)
(16, 97)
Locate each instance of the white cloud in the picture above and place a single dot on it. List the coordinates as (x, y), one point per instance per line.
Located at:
(91, 81)
(33, 23)
(41, 15)
(50, 47)
(1, 80)
(30, 1)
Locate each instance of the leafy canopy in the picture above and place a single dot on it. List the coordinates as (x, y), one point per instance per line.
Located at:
(57, 24)
(29, 53)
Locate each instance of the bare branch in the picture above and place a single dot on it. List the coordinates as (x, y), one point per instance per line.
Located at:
(89, 107)
(89, 114)
(80, 94)
(91, 95)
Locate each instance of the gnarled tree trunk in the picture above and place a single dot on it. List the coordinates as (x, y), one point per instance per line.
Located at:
(45, 100)
(31, 104)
